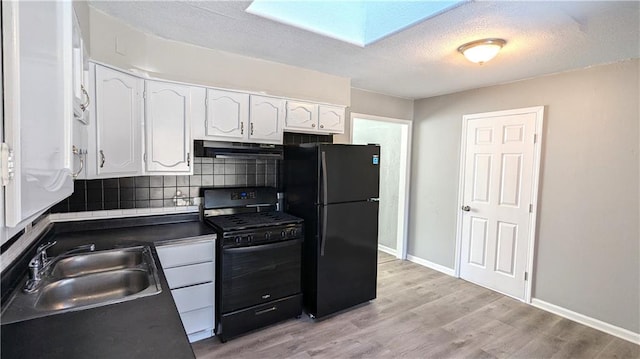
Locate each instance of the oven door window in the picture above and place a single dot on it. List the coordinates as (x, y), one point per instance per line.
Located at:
(259, 274)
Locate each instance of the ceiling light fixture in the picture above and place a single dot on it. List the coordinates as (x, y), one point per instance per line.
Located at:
(481, 51)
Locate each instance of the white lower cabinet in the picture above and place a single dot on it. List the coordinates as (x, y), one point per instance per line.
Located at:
(189, 275)
(190, 271)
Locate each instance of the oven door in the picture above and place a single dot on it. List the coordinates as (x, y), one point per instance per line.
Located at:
(258, 274)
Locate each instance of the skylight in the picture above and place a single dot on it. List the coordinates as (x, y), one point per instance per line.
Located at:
(359, 22)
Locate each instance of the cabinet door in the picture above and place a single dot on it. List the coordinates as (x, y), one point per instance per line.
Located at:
(301, 115)
(227, 115)
(266, 119)
(80, 95)
(168, 127)
(331, 119)
(118, 123)
(37, 99)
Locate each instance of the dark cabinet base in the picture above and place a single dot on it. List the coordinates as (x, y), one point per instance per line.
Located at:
(245, 320)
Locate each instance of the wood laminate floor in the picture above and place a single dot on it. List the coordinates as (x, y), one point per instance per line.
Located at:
(422, 313)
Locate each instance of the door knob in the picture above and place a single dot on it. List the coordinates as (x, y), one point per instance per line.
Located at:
(466, 208)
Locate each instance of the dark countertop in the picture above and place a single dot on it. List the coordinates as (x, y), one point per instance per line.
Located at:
(147, 327)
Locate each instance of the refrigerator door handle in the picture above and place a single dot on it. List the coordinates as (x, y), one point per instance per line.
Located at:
(324, 230)
(323, 238)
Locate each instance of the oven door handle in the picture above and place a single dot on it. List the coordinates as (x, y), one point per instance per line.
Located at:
(286, 243)
(323, 235)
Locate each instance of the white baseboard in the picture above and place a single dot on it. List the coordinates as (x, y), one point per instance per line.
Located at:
(588, 321)
(434, 266)
(387, 250)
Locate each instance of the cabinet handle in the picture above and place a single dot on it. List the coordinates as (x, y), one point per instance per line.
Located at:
(251, 128)
(78, 152)
(321, 126)
(101, 159)
(242, 128)
(188, 159)
(85, 105)
(313, 125)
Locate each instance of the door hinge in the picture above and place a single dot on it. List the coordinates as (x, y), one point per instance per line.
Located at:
(530, 208)
(8, 164)
(526, 276)
(535, 137)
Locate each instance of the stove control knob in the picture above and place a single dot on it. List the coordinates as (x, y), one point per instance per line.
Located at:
(293, 232)
(249, 238)
(283, 234)
(267, 235)
(238, 239)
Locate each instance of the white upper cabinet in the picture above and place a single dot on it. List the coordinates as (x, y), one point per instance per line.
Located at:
(227, 115)
(302, 116)
(313, 118)
(266, 119)
(80, 81)
(81, 103)
(37, 97)
(241, 117)
(118, 122)
(168, 128)
(331, 119)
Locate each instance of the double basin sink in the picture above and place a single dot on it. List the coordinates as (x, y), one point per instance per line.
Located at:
(87, 280)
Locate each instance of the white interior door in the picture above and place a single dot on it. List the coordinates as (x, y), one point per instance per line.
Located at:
(498, 194)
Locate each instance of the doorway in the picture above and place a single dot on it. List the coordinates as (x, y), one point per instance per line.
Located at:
(499, 171)
(394, 137)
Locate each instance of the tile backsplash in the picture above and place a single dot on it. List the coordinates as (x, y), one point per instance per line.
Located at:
(168, 191)
(175, 191)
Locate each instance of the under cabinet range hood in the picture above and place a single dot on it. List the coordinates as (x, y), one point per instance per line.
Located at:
(218, 149)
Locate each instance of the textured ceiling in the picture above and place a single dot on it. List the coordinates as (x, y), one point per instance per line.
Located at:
(421, 61)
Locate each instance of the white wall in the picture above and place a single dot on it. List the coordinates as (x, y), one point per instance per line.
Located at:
(118, 44)
(82, 11)
(588, 245)
(372, 103)
(389, 136)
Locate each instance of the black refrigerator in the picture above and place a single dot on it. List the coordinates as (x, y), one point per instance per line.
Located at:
(334, 188)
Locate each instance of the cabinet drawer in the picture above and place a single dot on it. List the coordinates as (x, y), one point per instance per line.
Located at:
(244, 320)
(184, 254)
(189, 275)
(197, 320)
(194, 297)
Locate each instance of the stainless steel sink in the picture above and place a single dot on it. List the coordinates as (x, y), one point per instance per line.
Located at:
(92, 289)
(83, 264)
(87, 280)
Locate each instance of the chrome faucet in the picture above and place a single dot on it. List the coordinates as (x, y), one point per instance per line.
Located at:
(41, 262)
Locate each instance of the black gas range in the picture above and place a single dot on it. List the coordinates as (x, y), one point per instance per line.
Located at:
(258, 259)
(245, 229)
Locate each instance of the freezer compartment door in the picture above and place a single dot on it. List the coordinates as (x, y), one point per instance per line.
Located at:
(348, 173)
(347, 257)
